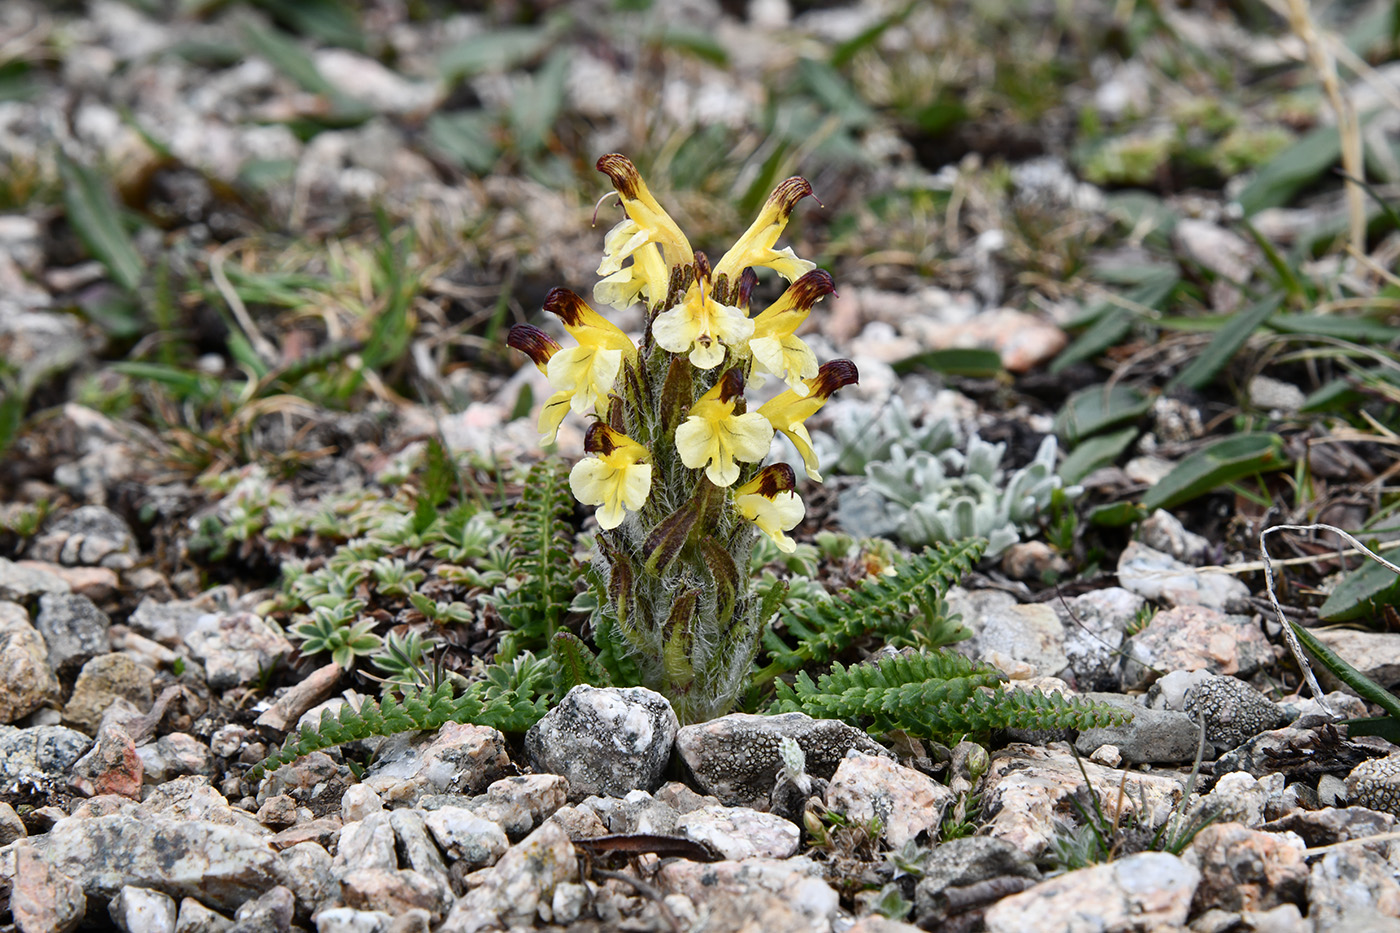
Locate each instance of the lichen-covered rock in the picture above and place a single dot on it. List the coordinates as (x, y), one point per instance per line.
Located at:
(1095, 625)
(605, 740)
(754, 883)
(1376, 784)
(27, 681)
(74, 629)
(1243, 869)
(39, 757)
(1232, 710)
(736, 757)
(970, 860)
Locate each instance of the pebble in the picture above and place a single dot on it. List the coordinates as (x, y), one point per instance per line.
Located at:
(235, 648)
(959, 863)
(26, 680)
(1240, 797)
(1243, 869)
(305, 868)
(1375, 654)
(350, 920)
(519, 804)
(111, 766)
(39, 757)
(358, 802)
(11, 826)
(1162, 578)
(416, 848)
(74, 629)
(1193, 638)
(513, 890)
(194, 917)
(740, 833)
(795, 881)
(366, 843)
(1162, 531)
(908, 803)
(460, 758)
(465, 836)
(1030, 632)
(43, 899)
(1147, 891)
(1094, 625)
(395, 892)
(605, 740)
(141, 910)
(174, 754)
(1152, 735)
(736, 759)
(269, 912)
(101, 682)
(24, 581)
(1352, 889)
(91, 535)
(1232, 710)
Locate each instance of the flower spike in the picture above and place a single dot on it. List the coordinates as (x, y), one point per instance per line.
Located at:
(768, 500)
(715, 437)
(614, 478)
(755, 247)
(775, 347)
(787, 411)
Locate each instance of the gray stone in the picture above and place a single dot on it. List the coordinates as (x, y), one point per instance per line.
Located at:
(102, 681)
(1031, 632)
(1194, 638)
(1375, 654)
(417, 848)
(1151, 736)
(235, 648)
(40, 757)
(736, 757)
(11, 826)
(194, 917)
(141, 910)
(907, 803)
(740, 833)
(466, 837)
(740, 894)
(169, 622)
(1163, 531)
(220, 865)
(1095, 623)
(1352, 889)
(269, 912)
(1162, 578)
(91, 535)
(27, 681)
(513, 890)
(1241, 797)
(970, 860)
(22, 582)
(395, 892)
(605, 740)
(460, 758)
(305, 868)
(1243, 869)
(349, 920)
(175, 754)
(74, 629)
(366, 843)
(519, 804)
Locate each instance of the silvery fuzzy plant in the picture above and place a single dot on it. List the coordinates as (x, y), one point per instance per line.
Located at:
(674, 455)
(953, 494)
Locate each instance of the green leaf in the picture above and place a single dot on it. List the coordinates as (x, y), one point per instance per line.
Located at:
(1365, 687)
(1362, 593)
(1359, 329)
(283, 53)
(1113, 326)
(1222, 462)
(1386, 727)
(465, 139)
(834, 92)
(957, 361)
(1297, 166)
(1098, 408)
(328, 20)
(534, 110)
(1095, 452)
(698, 42)
(1220, 350)
(1117, 515)
(92, 210)
(493, 50)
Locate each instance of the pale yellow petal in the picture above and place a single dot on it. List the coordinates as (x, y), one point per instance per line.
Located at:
(552, 415)
(675, 330)
(636, 485)
(695, 442)
(748, 436)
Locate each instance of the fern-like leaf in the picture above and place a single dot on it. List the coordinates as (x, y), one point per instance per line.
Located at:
(511, 698)
(884, 604)
(542, 540)
(939, 695)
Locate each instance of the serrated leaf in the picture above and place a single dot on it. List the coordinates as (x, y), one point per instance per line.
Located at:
(1222, 462)
(1226, 343)
(93, 212)
(1098, 408)
(1095, 452)
(1362, 592)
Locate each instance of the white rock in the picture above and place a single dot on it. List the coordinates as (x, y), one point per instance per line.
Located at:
(740, 833)
(1147, 891)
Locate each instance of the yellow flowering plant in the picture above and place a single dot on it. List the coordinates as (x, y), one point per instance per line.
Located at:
(673, 454)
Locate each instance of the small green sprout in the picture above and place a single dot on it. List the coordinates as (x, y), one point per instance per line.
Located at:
(330, 630)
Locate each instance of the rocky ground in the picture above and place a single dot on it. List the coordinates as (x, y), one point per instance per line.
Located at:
(256, 259)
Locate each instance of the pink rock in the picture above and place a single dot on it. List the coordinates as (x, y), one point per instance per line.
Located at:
(112, 766)
(43, 900)
(1245, 869)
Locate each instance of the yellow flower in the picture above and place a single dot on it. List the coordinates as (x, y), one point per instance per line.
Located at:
(769, 502)
(755, 247)
(787, 411)
(648, 236)
(775, 347)
(714, 437)
(589, 370)
(614, 479)
(701, 326)
(540, 348)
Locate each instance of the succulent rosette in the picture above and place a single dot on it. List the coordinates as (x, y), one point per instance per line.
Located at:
(674, 455)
